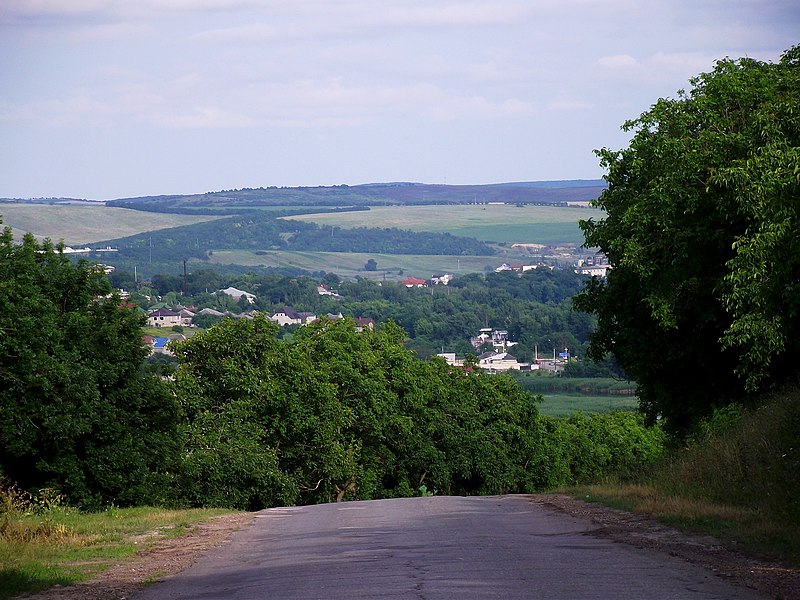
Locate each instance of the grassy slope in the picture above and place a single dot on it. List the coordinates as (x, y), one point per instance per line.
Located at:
(738, 481)
(347, 264)
(83, 224)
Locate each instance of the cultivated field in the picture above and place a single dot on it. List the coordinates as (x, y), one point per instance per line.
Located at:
(85, 224)
(563, 405)
(490, 222)
(348, 265)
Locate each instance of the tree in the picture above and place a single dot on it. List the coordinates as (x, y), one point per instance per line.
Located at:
(337, 413)
(372, 265)
(77, 410)
(702, 214)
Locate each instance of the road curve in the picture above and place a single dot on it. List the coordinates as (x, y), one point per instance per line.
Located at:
(474, 548)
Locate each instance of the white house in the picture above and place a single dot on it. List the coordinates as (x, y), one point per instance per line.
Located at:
(236, 294)
(286, 315)
(498, 361)
(594, 270)
(163, 317)
(324, 290)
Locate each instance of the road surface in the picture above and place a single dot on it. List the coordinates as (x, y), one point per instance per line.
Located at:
(434, 548)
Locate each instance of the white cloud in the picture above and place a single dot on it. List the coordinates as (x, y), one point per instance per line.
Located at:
(111, 32)
(618, 61)
(201, 117)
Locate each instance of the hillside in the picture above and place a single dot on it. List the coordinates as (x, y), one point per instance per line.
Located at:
(375, 194)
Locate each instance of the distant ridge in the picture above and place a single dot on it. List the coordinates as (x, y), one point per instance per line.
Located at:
(362, 196)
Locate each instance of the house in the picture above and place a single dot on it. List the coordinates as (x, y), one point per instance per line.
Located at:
(186, 317)
(236, 294)
(324, 290)
(364, 323)
(594, 270)
(452, 359)
(286, 315)
(410, 282)
(442, 279)
(163, 317)
(211, 312)
(498, 361)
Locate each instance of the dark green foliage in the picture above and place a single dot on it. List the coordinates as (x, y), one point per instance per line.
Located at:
(337, 414)
(77, 412)
(290, 200)
(703, 210)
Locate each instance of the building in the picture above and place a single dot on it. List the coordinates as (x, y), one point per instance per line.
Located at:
(410, 282)
(163, 317)
(236, 294)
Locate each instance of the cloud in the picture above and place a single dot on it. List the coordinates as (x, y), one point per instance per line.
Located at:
(201, 117)
(111, 31)
(619, 61)
(564, 102)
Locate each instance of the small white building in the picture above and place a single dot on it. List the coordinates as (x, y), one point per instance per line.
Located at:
(498, 361)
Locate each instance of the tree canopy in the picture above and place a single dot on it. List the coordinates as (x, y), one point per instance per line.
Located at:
(76, 410)
(702, 216)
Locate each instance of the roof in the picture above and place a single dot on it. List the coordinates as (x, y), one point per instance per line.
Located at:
(414, 281)
(163, 312)
(160, 342)
(237, 293)
(289, 312)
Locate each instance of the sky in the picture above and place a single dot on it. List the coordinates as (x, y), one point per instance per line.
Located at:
(103, 99)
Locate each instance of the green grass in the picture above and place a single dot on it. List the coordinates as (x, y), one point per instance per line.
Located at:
(348, 265)
(85, 224)
(563, 405)
(64, 546)
(498, 223)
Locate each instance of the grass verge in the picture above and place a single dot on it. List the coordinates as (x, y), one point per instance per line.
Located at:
(737, 478)
(60, 546)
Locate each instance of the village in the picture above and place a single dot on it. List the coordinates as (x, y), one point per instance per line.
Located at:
(492, 346)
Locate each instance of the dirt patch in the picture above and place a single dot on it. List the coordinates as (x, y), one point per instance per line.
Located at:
(170, 556)
(156, 560)
(776, 580)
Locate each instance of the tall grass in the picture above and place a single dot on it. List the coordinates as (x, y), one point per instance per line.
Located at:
(737, 477)
(43, 543)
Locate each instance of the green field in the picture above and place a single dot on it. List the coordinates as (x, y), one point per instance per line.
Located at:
(85, 224)
(562, 405)
(491, 222)
(348, 265)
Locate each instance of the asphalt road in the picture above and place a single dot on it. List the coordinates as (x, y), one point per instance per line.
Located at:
(434, 548)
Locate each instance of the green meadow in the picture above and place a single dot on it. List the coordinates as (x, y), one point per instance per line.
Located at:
(490, 222)
(86, 224)
(352, 264)
(563, 405)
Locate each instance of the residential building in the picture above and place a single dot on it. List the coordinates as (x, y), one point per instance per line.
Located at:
(163, 317)
(236, 294)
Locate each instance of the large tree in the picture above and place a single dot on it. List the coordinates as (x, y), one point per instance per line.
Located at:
(701, 228)
(77, 412)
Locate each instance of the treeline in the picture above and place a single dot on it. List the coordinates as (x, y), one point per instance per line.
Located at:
(534, 307)
(260, 230)
(251, 420)
(379, 194)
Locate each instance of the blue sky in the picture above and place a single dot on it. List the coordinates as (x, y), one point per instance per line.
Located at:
(103, 99)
